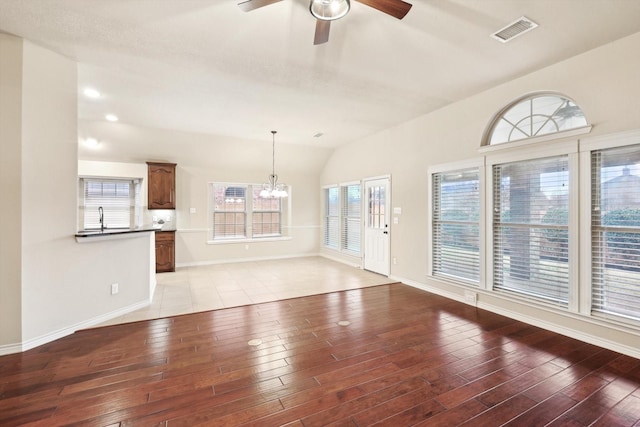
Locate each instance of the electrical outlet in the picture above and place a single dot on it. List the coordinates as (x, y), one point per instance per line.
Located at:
(395, 261)
(114, 288)
(470, 297)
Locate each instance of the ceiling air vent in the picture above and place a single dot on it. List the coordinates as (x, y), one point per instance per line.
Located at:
(513, 30)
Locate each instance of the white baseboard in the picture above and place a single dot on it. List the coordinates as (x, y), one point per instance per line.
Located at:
(341, 260)
(232, 261)
(10, 349)
(535, 321)
(60, 333)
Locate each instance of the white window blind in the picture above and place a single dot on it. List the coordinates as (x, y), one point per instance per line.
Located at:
(455, 224)
(119, 199)
(331, 217)
(351, 213)
(229, 211)
(615, 228)
(531, 229)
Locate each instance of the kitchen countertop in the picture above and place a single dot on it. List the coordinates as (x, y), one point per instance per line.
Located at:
(116, 231)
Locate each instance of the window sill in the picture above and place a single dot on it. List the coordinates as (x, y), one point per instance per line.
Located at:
(256, 240)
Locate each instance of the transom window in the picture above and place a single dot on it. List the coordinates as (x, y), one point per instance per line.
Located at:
(533, 116)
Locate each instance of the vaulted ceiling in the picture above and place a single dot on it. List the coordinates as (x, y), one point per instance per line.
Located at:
(205, 66)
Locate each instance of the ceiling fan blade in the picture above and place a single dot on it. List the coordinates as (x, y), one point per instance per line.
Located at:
(249, 5)
(322, 31)
(395, 8)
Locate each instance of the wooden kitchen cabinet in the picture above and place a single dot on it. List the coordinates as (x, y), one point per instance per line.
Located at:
(161, 186)
(165, 251)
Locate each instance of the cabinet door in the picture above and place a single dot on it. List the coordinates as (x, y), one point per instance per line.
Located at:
(165, 252)
(161, 185)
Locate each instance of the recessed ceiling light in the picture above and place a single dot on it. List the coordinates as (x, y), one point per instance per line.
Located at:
(111, 117)
(91, 93)
(91, 142)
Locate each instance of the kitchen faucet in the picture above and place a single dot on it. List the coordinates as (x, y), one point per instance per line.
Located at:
(101, 214)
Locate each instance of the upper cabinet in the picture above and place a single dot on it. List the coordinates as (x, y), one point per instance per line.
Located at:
(162, 185)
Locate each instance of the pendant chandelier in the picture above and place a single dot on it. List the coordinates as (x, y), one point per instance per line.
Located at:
(272, 189)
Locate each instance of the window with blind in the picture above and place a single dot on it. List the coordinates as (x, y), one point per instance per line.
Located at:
(229, 211)
(238, 212)
(531, 229)
(266, 215)
(351, 211)
(331, 217)
(615, 229)
(118, 198)
(456, 225)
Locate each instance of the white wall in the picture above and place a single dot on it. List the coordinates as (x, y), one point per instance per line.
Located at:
(604, 82)
(59, 285)
(10, 173)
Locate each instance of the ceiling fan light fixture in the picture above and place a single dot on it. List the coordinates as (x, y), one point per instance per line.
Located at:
(329, 10)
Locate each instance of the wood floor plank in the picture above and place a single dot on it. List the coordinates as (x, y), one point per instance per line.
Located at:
(406, 358)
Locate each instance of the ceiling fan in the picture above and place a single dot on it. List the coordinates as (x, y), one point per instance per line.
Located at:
(326, 11)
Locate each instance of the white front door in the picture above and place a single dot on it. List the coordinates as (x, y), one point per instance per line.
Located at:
(376, 227)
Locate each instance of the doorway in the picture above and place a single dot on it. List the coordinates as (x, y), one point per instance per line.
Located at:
(376, 227)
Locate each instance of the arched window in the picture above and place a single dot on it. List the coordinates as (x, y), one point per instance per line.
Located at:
(533, 116)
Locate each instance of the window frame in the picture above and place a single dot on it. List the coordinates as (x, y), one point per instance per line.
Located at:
(541, 151)
(250, 188)
(225, 212)
(587, 147)
(135, 202)
(345, 218)
(328, 218)
(341, 219)
(571, 132)
(255, 211)
(448, 168)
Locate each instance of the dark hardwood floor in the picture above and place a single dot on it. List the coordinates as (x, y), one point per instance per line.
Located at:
(407, 358)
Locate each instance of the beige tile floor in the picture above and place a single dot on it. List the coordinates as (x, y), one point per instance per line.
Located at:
(211, 287)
